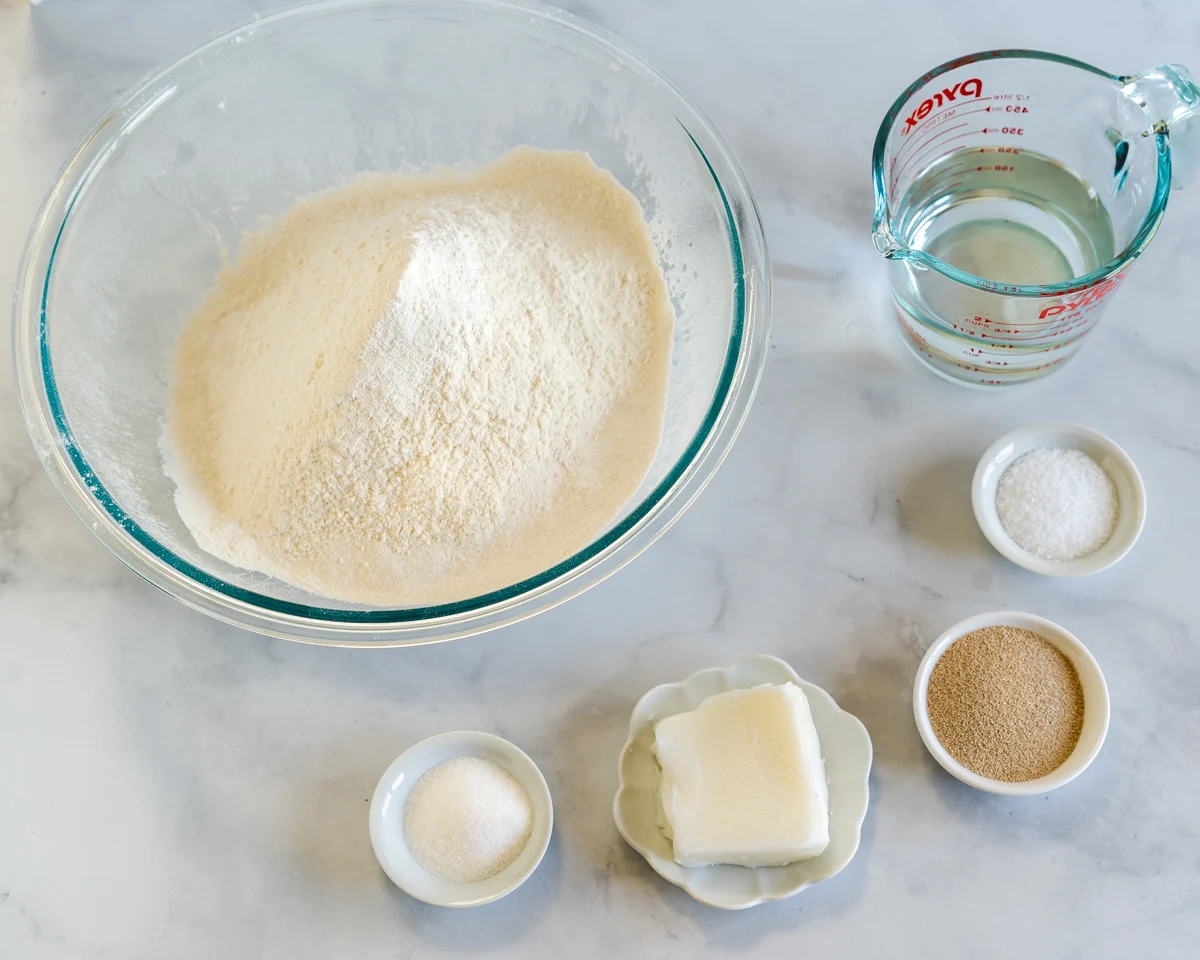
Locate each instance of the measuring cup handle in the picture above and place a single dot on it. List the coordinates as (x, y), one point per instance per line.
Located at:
(1171, 100)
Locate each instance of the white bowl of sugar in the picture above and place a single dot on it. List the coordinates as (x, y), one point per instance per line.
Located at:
(1059, 499)
(461, 819)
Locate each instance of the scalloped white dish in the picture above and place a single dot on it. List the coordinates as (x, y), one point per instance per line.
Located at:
(845, 745)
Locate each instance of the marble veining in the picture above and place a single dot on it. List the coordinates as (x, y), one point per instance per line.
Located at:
(170, 787)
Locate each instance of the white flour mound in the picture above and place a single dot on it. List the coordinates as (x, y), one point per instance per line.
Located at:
(414, 390)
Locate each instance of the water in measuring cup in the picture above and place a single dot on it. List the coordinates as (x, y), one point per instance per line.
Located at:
(1007, 215)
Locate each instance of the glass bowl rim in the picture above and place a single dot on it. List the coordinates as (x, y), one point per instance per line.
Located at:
(77, 482)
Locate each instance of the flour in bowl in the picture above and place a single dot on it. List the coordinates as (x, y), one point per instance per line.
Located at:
(414, 390)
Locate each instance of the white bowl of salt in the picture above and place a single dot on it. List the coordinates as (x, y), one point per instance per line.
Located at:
(461, 819)
(1059, 498)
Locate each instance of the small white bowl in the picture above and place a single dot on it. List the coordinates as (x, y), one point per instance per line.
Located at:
(1095, 703)
(637, 807)
(387, 818)
(1131, 494)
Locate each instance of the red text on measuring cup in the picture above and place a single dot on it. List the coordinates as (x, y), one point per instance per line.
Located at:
(967, 89)
(1083, 299)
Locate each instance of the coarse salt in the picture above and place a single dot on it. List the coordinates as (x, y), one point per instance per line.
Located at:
(1057, 503)
(467, 819)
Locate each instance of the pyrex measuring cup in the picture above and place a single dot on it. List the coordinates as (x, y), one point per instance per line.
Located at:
(1012, 190)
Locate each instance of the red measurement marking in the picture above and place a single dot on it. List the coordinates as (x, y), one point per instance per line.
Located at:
(1052, 340)
(936, 182)
(928, 142)
(1030, 327)
(1047, 329)
(957, 168)
(930, 120)
(919, 145)
(967, 113)
(957, 136)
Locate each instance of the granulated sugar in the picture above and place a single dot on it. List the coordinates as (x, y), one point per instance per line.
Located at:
(467, 819)
(1006, 703)
(1058, 504)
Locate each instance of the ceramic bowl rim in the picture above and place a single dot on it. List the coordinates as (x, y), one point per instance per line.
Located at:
(466, 743)
(1070, 645)
(1009, 448)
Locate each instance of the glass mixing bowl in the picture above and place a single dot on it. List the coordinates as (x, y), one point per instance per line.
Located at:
(160, 193)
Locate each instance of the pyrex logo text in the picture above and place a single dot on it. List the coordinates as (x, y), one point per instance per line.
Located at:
(967, 89)
(1085, 298)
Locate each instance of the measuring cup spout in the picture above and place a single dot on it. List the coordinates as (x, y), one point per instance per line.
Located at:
(1171, 100)
(885, 242)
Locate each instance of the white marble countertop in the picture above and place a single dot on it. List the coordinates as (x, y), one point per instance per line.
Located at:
(171, 787)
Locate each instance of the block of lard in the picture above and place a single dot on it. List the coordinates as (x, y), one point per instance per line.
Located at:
(743, 781)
